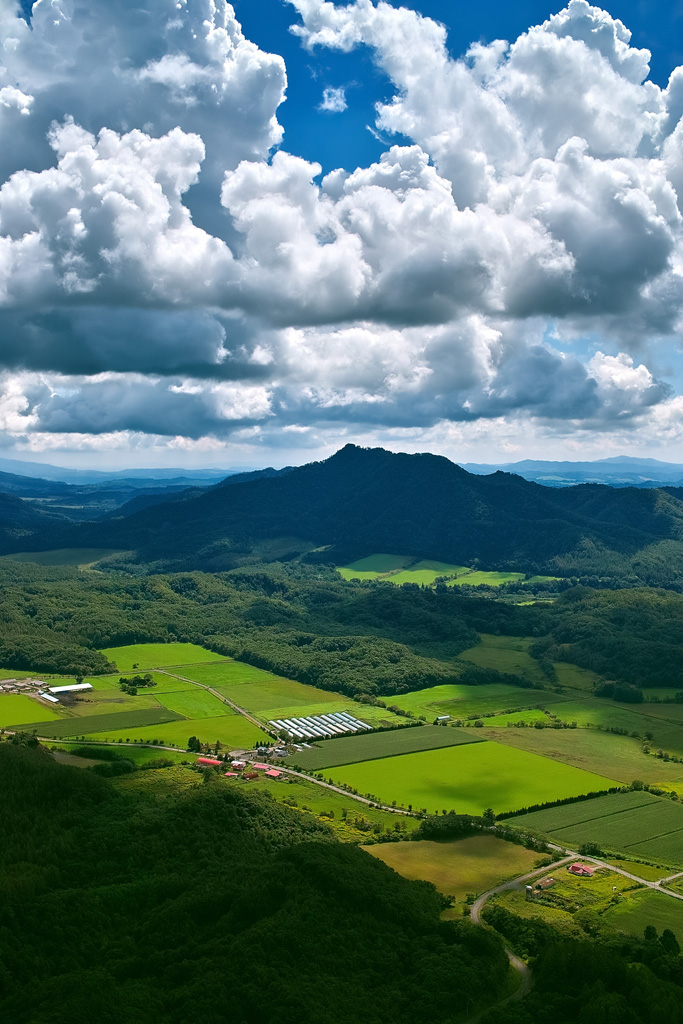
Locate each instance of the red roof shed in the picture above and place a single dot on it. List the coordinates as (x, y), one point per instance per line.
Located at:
(208, 760)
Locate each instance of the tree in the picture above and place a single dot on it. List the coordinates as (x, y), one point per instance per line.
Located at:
(194, 745)
(669, 941)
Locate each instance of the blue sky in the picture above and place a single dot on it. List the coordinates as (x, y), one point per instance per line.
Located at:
(187, 277)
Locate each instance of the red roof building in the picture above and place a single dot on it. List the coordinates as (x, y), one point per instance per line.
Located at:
(231, 775)
(208, 760)
(260, 767)
(581, 869)
(273, 774)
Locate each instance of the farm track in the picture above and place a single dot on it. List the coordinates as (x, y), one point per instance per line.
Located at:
(225, 700)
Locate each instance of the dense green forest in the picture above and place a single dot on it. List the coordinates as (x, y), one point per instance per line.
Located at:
(364, 500)
(121, 906)
(358, 638)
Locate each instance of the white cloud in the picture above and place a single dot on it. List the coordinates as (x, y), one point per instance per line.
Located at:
(334, 100)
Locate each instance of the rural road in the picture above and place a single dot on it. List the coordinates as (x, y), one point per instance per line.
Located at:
(215, 693)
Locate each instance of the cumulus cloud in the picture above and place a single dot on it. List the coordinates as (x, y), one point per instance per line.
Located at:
(167, 270)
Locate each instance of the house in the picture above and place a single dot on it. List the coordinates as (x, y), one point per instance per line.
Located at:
(208, 761)
(260, 767)
(273, 774)
(238, 765)
(231, 775)
(251, 775)
(581, 869)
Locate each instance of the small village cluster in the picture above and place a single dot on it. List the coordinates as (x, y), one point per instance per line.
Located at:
(241, 768)
(37, 688)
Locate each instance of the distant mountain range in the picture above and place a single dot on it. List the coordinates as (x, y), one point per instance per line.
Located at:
(361, 501)
(619, 471)
(142, 477)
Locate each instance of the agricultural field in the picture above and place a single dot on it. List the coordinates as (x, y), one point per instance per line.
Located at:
(469, 779)
(351, 749)
(426, 572)
(460, 701)
(644, 908)
(269, 696)
(513, 718)
(604, 753)
(233, 731)
(636, 823)
(489, 579)
(458, 867)
(634, 718)
(18, 709)
(80, 558)
(373, 566)
(505, 654)
(110, 702)
(94, 724)
(138, 755)
(195, 703)
(140, 657)
(575, 677)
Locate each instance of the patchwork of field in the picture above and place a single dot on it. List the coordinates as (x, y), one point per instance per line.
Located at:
(163, 683)
(460, 867)
(489, 579)
(660, 720)
(505, 654)
(140, 657)
(406, 569)
(636, 823)
(469, 778)
(94, 724)
(514, 718)
(618, 757)
(138, 755)
(196, 703)
(644, 908)
(232, 731)
(461, 701)
(352, 749)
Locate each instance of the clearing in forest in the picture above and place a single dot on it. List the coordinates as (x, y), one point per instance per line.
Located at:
(141, 657)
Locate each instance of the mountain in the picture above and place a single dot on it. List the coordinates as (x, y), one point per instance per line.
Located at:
(361, 501)
(618, 471)
(140, 477)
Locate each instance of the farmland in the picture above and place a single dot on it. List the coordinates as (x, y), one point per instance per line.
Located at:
(457, 868)
(195, 703)
(469, 778)
(460, 701)
(646, 908)
(232, 731)
(95, 724)
(505, 654)
(17, 709)
(401, 569)
(489, 579)
(352, 749)
(636, 823)
(147, 656)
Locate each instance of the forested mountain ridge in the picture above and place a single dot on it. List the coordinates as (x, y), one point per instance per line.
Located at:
(364, 500)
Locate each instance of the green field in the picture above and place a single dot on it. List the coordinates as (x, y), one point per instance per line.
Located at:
(666, 730)
(112, 702)
(233, 731)
(79, 557)
(373, 566)
(457, 868)
(646, 908)
(427, 572)
(618, 757)
(195, 703)
(461, 701)
(489, 579)
(18, 709)
(527, 717)
(636, 823)
(127, 720)
(138, 755)
(146, 656)
(505, 654)
(575, 677)
(351, 749)
(469, 779)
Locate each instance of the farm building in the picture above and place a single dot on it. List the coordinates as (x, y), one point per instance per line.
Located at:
(273, 774)
(48, 696)
(260, 767)
(318, 727)
(546, 883)
(581, 869)
(231, 775)
(251, 775)
(239, 765)
(208, 760)
(74, 688)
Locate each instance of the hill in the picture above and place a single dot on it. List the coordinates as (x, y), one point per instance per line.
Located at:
(364, 500)
(618, 471)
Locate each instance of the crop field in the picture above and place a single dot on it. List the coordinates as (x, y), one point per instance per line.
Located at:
(18, 709)
(646, 908)
(460, 701)
(457, 868)
(636, 823)
(618, 757)
(139, 755)
(146, 656)
(490, 579)
(111, 702)
(127, 720)
(505, 654)
(227, 672)
(373, 566)
(351, 749)
(233, 731)
(78, 557)
(575, 677)
(469, 778)
(638, 718)
(427, 572)
(195, 703)
(514, 717)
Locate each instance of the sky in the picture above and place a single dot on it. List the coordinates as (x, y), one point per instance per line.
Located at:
(246, 235)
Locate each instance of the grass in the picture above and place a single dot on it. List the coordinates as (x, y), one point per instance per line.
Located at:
(460, 701)
(351, 749)
(79, 557)
(528, 717)
(232, 731)
(469, 778)
(427, 572)
(618, 757)
(195, 703)
(481, 578)
(639, 718)
(138, 755)
(111, 702)
(505, 654)
(127, 720)
(646, 908)
(18, 709)
(635, 823)
(146, 656)
(459, 867)
(574, 677)
(648, 871)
